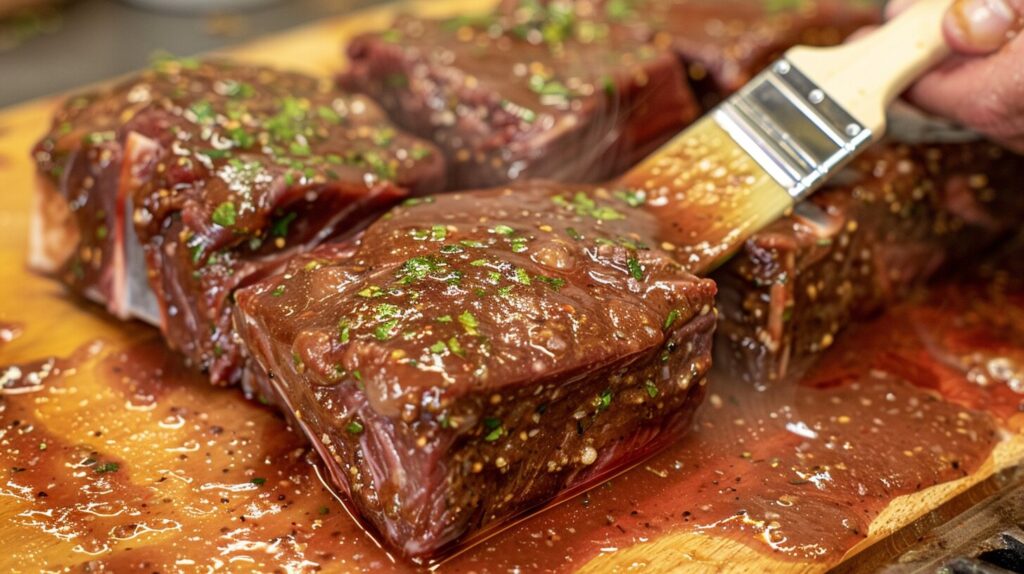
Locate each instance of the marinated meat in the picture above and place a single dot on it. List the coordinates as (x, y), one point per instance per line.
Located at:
(203, 177)
(722, 43)
(478, 355)
(904, 213)
(552, 96)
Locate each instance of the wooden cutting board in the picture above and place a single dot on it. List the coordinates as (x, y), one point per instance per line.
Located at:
(53, 325)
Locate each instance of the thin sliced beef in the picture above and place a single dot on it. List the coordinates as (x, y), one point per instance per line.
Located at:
(478, 355)
(556, 98)
(904, 213)
(203, 177)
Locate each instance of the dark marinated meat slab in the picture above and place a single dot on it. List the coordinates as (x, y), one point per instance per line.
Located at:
(478, 355)
(907, 211)
(722, 43)
(553, 96)
(203, 177)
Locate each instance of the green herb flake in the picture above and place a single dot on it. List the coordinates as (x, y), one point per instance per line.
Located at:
(469, 322)
(383, 137)
(419, 152)
(354, 427)
(618, 9)
(472, 244)
(672, 317)
(456, 348)
(203, 111)
(258, 481)
(225, 215)
(107, 467)
(503, 230)
(652, 390)
(371, 291)
(585, 206)
(521, 276)
(418, 268)
(573, 234)
(478, 262)
(278, 291)
(385, 330)
(635, 269)
(604, 400)
(554, 282)
(494, 428)
(327, 113)
(344, 331)
(632, 197)
(438, 232)
(280, 227)
(444, 319)
(438, 347)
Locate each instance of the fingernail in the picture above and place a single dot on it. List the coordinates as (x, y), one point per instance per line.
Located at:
(982, 25)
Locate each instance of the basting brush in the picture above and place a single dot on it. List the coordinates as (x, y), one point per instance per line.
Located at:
(777, 140)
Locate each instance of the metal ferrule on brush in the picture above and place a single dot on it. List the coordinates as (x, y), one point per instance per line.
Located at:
(792, 128)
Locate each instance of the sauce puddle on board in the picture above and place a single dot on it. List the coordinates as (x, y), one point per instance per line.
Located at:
(121, 459)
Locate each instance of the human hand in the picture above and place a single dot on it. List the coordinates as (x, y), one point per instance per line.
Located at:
(982, 84)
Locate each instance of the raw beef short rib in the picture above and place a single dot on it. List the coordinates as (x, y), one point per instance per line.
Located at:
(479, 355)
(160, 196)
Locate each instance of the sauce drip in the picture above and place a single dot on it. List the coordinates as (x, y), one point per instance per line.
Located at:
(147, 465)
(9, 332)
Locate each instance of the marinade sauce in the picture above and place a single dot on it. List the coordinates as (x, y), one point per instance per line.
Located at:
(123, 458)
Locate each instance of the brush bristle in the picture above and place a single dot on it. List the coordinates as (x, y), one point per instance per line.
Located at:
(708, 194)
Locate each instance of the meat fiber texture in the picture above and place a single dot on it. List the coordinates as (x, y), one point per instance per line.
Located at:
(554, 97)
(476, 356)
(721, 43)
(904, 213)
(203, 177)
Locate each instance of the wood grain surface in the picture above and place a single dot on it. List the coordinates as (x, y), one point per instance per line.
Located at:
(55, 325)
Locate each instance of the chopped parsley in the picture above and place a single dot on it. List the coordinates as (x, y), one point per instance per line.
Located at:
(469, 322)
(585, 206)
(635, 269)
(225, 215)
(673, 315)
(354, 427)
(107, 467)
(652, 390)
(521, 276)
(494, 428)
(280, 227)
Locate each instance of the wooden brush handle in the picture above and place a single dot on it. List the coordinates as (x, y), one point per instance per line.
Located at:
(866, 75)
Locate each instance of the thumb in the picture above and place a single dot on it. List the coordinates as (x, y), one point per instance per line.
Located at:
(979, 27)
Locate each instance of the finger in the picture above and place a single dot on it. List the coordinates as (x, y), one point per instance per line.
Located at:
(982, 93)
(982, 26)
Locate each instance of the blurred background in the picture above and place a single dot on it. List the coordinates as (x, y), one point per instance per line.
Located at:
(47, 46)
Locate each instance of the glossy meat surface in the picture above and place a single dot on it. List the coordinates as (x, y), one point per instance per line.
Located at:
(477, 355)
(899, 216)
(204, 176)
(721, 43)
(550, 96)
